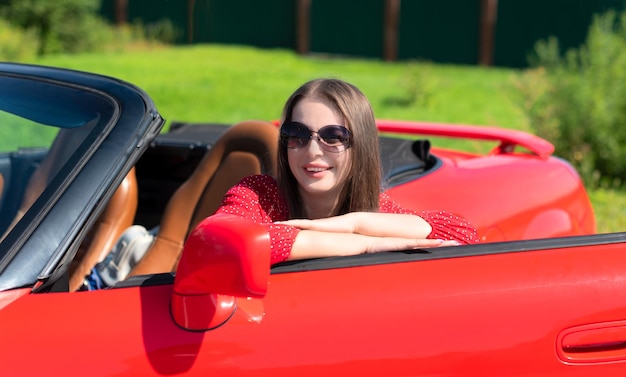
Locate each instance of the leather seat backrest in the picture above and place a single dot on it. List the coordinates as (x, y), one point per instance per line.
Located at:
(117, 216)
(246, 148)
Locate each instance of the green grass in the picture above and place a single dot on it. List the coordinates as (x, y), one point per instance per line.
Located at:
(209, 83)
(221, 83)
(610, 209)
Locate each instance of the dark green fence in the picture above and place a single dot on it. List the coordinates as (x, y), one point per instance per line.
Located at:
(347, 27)
(445, 31)
(441, 31)
(522, 22)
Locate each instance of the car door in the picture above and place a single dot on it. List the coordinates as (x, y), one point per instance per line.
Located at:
(518, 309)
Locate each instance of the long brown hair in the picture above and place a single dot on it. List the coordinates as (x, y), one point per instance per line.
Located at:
(362, 187)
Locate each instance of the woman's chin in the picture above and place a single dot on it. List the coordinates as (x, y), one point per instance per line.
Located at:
(319, 186)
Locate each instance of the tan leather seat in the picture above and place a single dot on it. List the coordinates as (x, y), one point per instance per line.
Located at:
(247, 148)
(117, 216)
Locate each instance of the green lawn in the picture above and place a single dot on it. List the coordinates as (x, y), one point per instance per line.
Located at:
(209, 83)
(221, 83)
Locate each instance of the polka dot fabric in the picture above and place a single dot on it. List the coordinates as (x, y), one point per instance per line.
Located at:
(257, 198)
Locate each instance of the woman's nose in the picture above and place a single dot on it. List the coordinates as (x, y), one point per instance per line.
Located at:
(315, 140)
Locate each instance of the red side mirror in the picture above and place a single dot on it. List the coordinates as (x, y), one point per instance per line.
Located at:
(226, 256)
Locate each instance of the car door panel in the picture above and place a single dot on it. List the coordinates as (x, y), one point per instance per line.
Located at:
(500, 314)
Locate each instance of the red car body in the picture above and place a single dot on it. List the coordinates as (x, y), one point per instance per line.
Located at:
(550, 312)
(548, 301)
(518, 192)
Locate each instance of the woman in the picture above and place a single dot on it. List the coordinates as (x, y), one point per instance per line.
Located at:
(326, 200)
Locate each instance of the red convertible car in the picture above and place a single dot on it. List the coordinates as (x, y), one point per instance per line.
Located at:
(83, 158)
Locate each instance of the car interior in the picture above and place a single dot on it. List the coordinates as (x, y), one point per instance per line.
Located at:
(20, 183)
(118, 215)
(180, 180)
(185, 173)
(246, 148)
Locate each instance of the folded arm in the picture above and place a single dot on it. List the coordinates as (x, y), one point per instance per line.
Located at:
(369, 224)
(369, 232)
(318, 244)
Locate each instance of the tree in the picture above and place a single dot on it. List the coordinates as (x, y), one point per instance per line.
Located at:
(61, 25)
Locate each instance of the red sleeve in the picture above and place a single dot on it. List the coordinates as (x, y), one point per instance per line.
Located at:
(257, 198)
(446, 226)
(282, 238)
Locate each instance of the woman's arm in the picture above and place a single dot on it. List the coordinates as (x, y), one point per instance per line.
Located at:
(425, 224)
(319, 244)
(369, 224)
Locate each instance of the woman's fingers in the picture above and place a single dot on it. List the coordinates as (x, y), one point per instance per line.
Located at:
(396, 244)
(427, 243)
(447, 243)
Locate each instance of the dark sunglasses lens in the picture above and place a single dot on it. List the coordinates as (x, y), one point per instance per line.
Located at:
(295, 135)
(335, 136)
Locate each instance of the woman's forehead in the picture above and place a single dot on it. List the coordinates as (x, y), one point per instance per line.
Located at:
(315, 112)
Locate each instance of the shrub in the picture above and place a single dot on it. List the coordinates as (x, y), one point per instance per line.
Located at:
(60, 25)
(577, 100)
(16, 44)
(73, 26)
(161, 31)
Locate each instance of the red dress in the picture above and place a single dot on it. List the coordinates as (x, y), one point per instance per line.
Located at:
(257, 198)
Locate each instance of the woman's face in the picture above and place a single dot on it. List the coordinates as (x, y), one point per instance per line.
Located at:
(320, 174)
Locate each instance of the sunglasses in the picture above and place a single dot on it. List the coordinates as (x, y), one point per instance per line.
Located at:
(334, 139)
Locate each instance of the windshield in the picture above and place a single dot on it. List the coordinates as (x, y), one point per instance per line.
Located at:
(45, 128)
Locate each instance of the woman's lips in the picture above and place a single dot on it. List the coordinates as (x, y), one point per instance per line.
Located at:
(315, 171)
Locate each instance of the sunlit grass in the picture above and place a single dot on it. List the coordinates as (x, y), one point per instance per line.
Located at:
(222, 83)
(227, 84)
(610, 209)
